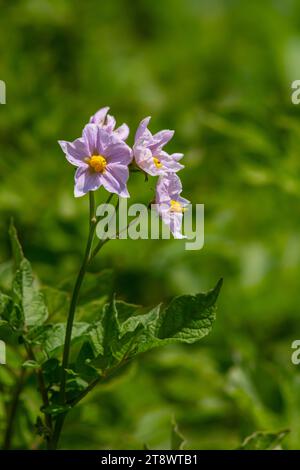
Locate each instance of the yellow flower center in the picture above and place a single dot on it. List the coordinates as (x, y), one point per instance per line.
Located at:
(176, 206)
(157, 162)
(97, 163)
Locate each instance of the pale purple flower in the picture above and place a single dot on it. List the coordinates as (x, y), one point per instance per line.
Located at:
(108, 123)
(148, 153)
(101, 159)
(169, 204)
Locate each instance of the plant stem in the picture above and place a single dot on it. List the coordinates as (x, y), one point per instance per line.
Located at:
(13, 410)
(67, 344)
(44, 394)
(89, 255)
(99, 380)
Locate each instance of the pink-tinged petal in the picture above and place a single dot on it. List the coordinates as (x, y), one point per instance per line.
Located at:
(176, 156)
(122, 131)
(169, 164)
(174, 185)
(112, 184)
(162, 192)
(75, 152)
(176, 225)
(169, 188)
(161, 138)
(173, 220)
(99, 117)
(90, 137)
(144, 159)
(110, 123)
(142, 128)
(184, 202)
(104, 139)
(85, 181)
(118, 152)
(120, 172)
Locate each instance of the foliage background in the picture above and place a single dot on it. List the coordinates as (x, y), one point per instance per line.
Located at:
(219, 72)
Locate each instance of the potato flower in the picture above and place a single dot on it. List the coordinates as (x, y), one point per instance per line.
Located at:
(169, 204)
(148, 153)
(101, 158)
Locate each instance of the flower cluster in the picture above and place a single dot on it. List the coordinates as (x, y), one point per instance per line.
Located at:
(103, 158)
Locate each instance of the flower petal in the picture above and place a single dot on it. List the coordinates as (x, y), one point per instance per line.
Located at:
(176, 156)
(175, 225)
(110, 123)
(99, 116)
(85, 181)
(142, 128)
(90, 136)
(122, 131)
(169, 164)
(118, 152)
(119, 172)
(113, 183)
(161, 138)
(75, 151)
(144, 159)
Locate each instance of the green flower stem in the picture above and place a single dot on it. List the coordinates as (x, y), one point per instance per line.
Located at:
(67, 344)
(88, 257)
(43, 391)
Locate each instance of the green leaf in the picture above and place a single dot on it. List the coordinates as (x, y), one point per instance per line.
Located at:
(91, 311)
(177, 439)
(28, 297)
(52, 371)
(6, 304)
(57, 302)
(10, 313)
(188, 318)
(125, 330)
(83, 362)
(105, 333)
(52, 336)
(263, 440)
(17, 251)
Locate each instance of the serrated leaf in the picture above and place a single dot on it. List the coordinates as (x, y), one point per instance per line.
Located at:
(125, 330)
(28, 297)
(26, 294)
(104, 333)
(263, 440)
(188, 318)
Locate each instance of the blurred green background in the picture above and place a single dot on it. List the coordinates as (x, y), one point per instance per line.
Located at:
(220, 73)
